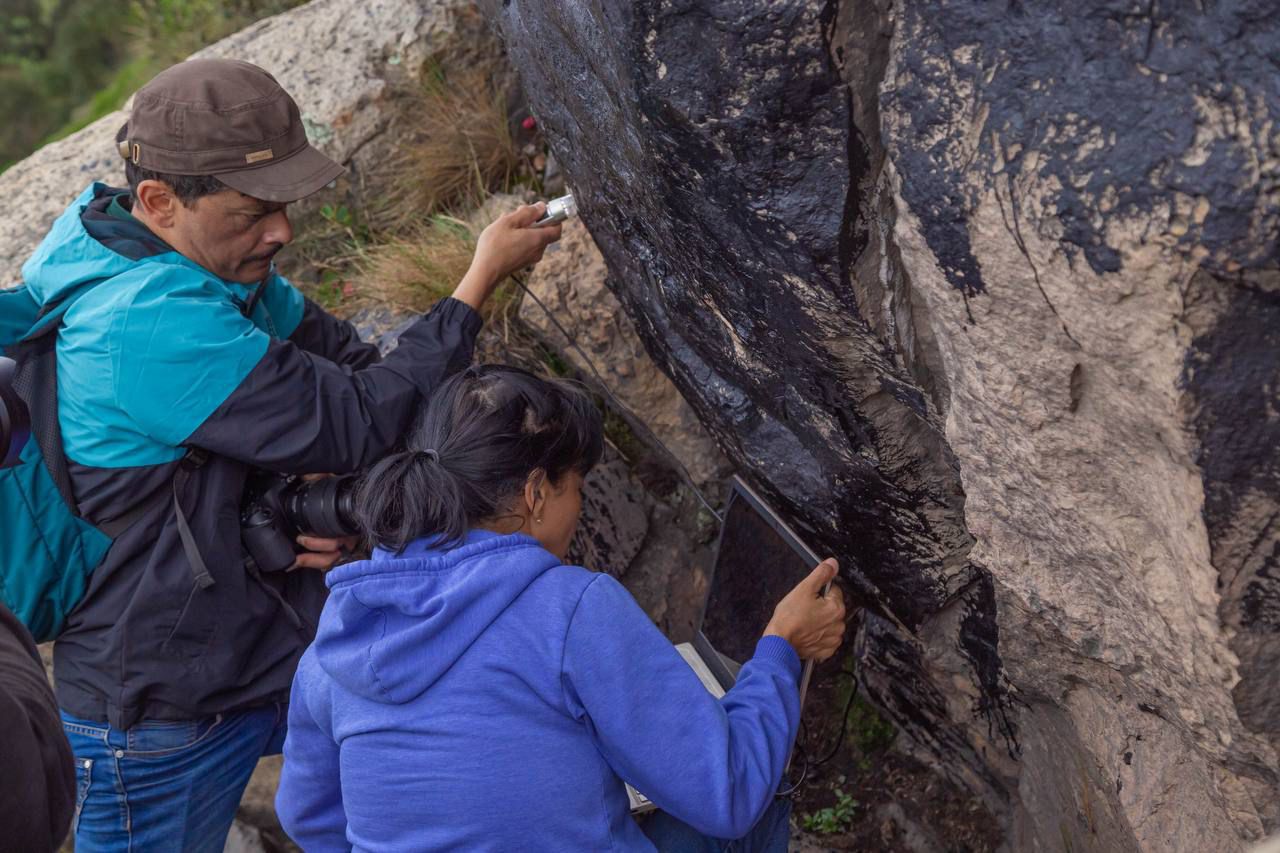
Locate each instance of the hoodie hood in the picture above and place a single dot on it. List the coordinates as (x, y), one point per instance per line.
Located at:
(394, 624)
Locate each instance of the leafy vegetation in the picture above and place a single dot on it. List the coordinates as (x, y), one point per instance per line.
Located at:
(66, 63)
(834, 818)
(870, 732)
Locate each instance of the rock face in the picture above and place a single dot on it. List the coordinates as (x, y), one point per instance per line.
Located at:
(984, 298)
(570, 282)
(339, 60)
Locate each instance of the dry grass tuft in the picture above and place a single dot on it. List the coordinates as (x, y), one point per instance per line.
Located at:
(458, 146)
(413, 271)
(454, 152)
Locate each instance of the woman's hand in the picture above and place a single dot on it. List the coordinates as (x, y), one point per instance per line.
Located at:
(812, 623)
(507, 245)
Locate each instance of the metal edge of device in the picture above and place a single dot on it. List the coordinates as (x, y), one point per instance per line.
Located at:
(712, 659)
(797, 544)
(558, 210)
(739, 489)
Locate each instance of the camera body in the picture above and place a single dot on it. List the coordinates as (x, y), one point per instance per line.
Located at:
(280, 507)
(15, 418)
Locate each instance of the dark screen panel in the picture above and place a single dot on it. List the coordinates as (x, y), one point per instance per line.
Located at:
(754, 569)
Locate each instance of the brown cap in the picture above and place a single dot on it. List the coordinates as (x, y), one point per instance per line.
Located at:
(226, 118)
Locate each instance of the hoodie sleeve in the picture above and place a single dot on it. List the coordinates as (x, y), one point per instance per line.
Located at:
(189, 370)
(715, 764)
(309, 799)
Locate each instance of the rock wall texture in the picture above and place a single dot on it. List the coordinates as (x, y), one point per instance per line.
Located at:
(570, 281)
(985, 298)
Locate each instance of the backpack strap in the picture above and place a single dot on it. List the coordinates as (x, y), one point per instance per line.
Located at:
(36, 382)
(193, 461)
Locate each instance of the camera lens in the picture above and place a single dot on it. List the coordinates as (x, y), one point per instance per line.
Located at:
(15, 420)
(324, 507)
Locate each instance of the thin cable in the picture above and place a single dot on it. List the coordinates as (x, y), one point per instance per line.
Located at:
(684, 472)
(804, 763)
(844, 726)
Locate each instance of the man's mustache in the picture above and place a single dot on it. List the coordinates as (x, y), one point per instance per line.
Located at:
(264, 257)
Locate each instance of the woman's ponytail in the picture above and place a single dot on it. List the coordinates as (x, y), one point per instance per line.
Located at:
(471, 452)
(407, 493)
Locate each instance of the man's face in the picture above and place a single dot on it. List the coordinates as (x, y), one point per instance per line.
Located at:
(232, 235)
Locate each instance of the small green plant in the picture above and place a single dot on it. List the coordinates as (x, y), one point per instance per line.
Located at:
(870, 732)
(330, 289)
(835, 818)
(343, 217)
(620, 434)
(555, 363)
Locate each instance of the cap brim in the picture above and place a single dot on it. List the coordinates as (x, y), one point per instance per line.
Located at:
(286, 180)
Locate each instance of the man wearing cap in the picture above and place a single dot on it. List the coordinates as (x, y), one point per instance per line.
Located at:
(183, 349)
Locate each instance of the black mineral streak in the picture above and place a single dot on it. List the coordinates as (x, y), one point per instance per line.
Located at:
(714, 157)
(1232, 376)
(1106, 97)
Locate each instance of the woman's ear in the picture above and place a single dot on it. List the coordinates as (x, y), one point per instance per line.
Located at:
(535, 494)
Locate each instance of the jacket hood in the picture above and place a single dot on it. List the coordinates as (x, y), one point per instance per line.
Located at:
(86, 244)
(394, 624)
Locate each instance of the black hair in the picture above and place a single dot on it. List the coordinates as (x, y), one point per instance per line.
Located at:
(468, 457)
(188, 188)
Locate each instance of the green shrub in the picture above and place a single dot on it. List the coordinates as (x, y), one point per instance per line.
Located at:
(66, 63)
(835, 818)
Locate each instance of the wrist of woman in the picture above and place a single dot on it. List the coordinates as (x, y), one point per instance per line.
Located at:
(774, 647)
(773, 629)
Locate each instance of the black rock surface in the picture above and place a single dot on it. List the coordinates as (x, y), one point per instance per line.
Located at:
(728, 156)
(727, 213)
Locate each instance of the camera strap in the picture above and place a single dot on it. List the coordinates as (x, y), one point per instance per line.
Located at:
(251, 566)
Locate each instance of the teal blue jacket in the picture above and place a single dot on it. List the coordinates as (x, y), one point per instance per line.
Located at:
(156, 356)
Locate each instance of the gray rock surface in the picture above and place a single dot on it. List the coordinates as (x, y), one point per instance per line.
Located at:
(983, 297)
(614, 520)
(570, 282)
(340, 61)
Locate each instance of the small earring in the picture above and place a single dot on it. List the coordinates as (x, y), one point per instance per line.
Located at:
(537, 521)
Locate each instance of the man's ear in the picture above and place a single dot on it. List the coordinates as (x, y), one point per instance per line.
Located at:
(157, 202)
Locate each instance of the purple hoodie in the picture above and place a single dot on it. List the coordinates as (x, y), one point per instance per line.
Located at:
(487, 697)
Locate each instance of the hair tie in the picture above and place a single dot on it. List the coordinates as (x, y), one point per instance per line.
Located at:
(428, 454)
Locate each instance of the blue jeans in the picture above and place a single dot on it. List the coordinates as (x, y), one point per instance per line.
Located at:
(166, 785)
(771, 834)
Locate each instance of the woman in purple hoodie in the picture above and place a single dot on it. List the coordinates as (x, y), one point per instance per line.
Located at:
(468, 691)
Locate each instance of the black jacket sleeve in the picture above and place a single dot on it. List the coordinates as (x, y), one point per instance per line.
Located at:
(299, 413)
(39, 783)
(323, 334)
